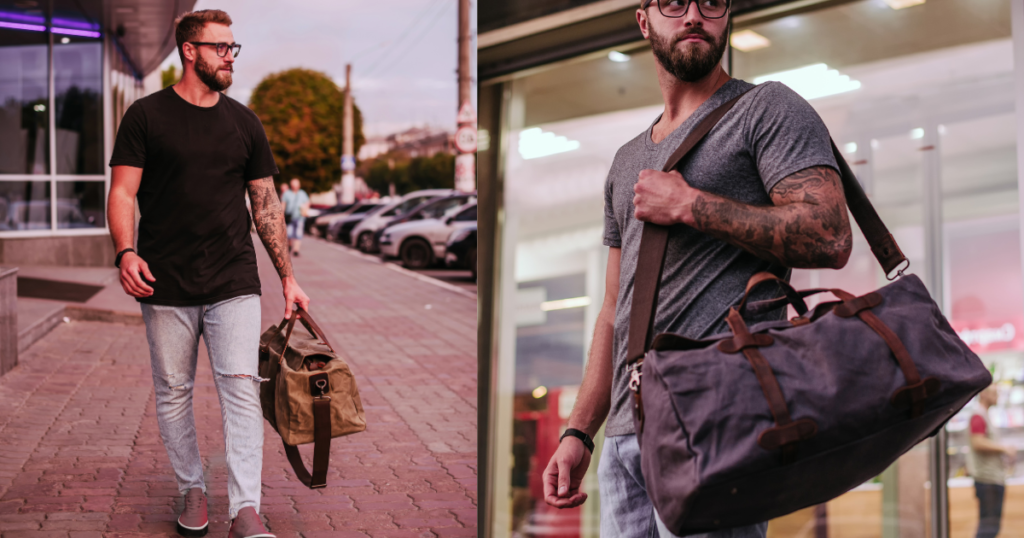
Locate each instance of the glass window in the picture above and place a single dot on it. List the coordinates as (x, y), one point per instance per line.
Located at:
(917, 112)
(24, 205)
(78, 82)
(80, 204)
(467, 215)
(24, 99)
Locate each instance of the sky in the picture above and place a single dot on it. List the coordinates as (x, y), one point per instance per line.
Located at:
(404, 53)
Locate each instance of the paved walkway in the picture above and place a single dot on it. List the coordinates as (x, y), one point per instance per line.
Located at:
(81, 456)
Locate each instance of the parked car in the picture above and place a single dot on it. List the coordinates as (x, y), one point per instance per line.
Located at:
(422, 243)
(339, 229)
(461, 249)
(362, 235)
(431, 209)
(323, 221)
(310, 226)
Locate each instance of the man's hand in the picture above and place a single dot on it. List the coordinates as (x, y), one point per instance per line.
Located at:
(293, 294)
(133, 269)
(564, 474)
(662, 198)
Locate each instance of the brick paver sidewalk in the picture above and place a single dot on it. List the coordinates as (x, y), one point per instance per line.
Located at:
(81, 456)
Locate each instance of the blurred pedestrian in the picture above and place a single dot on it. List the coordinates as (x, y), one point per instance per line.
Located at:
(296, 207)
(195, 270)
(284, 189)
(985, 463)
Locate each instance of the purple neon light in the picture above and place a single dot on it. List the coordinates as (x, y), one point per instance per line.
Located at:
(18, 26)
(22, 17)
(71, 31)
(71, 23)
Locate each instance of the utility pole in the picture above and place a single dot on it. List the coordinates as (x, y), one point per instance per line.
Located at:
(348, 159)
(465, 137)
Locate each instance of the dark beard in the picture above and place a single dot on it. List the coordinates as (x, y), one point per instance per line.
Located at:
(691, 64)
(208, 75)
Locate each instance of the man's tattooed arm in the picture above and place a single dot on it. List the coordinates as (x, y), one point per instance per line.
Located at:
(268, 216)
(807, 227)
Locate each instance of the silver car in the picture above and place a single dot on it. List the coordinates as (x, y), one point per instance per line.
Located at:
(362, 236)
(421, 243)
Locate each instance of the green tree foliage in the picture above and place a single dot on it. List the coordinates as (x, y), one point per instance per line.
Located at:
(301, 111)
(436, 172)
(169, 76)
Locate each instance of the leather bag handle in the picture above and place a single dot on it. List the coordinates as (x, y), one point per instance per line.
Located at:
(654, 239)
(311, 326)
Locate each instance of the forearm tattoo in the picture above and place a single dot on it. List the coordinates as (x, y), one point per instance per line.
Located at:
(268, 216)
(807, 227)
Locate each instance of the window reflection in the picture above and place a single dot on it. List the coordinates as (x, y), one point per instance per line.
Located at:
(78, 81)
(24, 143)
(80, 204)
(24, 205)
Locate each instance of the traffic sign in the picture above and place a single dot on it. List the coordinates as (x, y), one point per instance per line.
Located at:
(465, 139)
(466, 114)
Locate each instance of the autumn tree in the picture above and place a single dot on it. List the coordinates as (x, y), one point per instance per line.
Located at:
(407, 175)
(301, 111)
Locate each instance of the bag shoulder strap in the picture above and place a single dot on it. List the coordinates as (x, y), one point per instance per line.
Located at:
(318, 384)
(654, 239)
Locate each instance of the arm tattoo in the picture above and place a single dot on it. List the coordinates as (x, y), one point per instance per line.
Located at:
(807, 227)
(268, 216)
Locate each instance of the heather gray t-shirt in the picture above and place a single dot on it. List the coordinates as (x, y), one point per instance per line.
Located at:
(769, 134)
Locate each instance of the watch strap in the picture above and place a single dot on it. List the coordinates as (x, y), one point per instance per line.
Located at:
(117, 260)
(582, 436)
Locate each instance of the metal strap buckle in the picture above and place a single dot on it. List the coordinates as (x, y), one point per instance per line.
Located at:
(634, 376)
(322, 385)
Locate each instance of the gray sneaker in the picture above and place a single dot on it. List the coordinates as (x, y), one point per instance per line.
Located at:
(247, 524)
(193, 521)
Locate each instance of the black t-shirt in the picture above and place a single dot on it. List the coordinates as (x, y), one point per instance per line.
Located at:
(194, 227)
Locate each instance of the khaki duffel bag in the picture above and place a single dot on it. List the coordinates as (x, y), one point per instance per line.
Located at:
(310, 395)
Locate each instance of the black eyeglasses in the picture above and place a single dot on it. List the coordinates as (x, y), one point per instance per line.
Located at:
(222, 48)
(709, 9)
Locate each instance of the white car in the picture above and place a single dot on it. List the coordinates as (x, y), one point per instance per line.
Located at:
(362, 235)
(421, 243)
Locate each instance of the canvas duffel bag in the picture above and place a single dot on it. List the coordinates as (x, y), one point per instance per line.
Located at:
(310, 395)
(771, 418)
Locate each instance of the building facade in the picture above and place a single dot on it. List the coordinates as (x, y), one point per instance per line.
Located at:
(68, 71)
(922, 96)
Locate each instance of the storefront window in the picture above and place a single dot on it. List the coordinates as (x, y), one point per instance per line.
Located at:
(24, 99)
(80, 204)
(24, 205)
(78, 80)
(927, 120)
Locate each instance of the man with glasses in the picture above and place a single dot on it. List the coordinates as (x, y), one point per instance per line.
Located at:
(761, 192)
(190, 153)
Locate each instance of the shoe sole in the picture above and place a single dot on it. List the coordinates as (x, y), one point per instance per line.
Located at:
(188, 531)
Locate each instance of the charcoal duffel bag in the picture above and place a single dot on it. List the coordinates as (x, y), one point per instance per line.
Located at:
(771, 418)
(310, 395)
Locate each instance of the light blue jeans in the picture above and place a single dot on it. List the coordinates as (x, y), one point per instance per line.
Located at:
(626, 511)
(231, 329)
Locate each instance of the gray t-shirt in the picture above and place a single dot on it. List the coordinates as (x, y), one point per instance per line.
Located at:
(769, 134)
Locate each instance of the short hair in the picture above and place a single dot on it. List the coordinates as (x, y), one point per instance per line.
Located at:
(189, 26)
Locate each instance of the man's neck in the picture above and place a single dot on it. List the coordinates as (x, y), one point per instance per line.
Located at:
(195, 91)
(683, 98)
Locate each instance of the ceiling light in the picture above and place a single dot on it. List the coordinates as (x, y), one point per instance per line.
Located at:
(65, 40)
(540, 392)
(850, 147)
(617, 56)
(535, 143)
(563, 304)
(748, 40)
(916, 133)
(900, 4)
(813, 81)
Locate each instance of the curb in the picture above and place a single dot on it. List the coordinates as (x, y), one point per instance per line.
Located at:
(83, 313)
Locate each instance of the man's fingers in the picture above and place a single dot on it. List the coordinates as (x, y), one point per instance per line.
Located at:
(145, 270)
(550, 481)
(563, 477)
(137, 279)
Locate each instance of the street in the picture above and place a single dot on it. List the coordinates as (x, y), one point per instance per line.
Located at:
(81, 456)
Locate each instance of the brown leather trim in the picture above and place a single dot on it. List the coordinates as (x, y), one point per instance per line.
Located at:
(792, 296)
(321, 436)
(778, 436)
(914, 396)
(853, 306)
(739, 343)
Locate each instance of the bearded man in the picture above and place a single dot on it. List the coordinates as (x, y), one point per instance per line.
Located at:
(190, 153)
(761, 192)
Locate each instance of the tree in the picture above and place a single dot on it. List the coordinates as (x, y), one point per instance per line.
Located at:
(301, 111)
(407, 175)
(169, 76)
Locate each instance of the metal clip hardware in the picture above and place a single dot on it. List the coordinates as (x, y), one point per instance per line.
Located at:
(634, 375)
(322, 385)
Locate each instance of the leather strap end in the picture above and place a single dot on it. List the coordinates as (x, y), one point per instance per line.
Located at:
(888, 254)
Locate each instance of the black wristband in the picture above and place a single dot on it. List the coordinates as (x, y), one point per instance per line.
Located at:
(117, 260)
(587, 441)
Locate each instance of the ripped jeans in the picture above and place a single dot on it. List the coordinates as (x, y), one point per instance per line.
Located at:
(231, 329)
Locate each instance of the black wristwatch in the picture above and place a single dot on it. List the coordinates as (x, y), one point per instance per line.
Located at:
(117, 260)
(587, 441)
